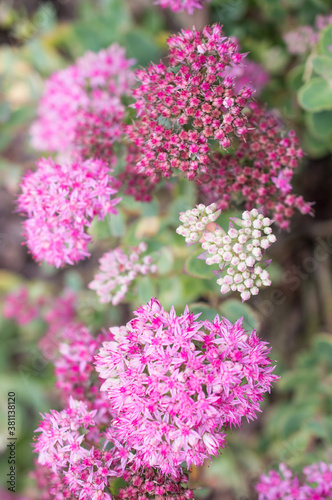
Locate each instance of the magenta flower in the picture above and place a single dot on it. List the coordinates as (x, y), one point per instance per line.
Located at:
(175, 384)
(181, 5)
(81, 109)
(75, 467)
(316, 484)
(259, 173)
(151, 484)
(184, 107)
(61, 201)
(18, 306)
(250, 74)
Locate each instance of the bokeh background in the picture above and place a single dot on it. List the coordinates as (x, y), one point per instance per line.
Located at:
(294, 314)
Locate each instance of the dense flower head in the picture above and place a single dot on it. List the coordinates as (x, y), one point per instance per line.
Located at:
(61, 202)
(181, 5)
(185, 107)
(151, 484)
(134, 183)
(195, 221)
(78, 470)
(175, 383)
(238, 252)
(259, 173)
(316, 484)
(81, 109)
(118, 271)
(19, 306)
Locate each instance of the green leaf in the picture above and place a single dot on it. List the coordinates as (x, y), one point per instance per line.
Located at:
(320, 124)
(164, 260)
(325, 42)
(141, 46)
(233, 310)
(117, 224)
(207, 313)
(197, 267)
(323, 66)
(316, 95)
(145, 289)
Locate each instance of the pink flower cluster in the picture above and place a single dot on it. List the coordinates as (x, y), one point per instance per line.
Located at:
(77, 468)
(135, 183)
(151, 484)
(259, 172)
(181, 5)
(74, 369)
(18, 306)
(184, 107)
(61, 202)
(81, 109)
(249, 74)
(316, 484)
(175, 383)
(303, 38)
(118, 271)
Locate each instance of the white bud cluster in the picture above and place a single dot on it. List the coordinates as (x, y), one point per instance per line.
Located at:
(239, 250)
(195, 221)
(118, 270)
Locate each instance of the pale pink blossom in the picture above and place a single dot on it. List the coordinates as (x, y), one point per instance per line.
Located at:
(174, 384)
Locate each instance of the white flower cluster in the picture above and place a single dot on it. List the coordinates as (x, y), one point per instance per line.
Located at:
(195, 221)
(238, 251)
(117, 272)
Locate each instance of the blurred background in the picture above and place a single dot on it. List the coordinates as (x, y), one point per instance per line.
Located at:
(38, 38)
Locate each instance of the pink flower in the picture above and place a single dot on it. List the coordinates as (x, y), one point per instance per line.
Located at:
(175, 383)
(74, 466)
(182, 109)
(259, 172)
(18, 306)
(181, 5)
(118, 270)
(316, 484)
(61, 201)
(81, 110)
(250, 74)
(149, 483)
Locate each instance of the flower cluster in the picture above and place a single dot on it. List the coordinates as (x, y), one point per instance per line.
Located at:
(196, 221)
(259, 173)
(181, 5)
(151, 484)
(137, 184)
(74, 369)
(236, 252)
(303, 38)
(174, 384)
(18, 306)
(316, 484)
(185, 106)
(118, 270)
(78, 469)
(250, 74)
(61, 201)
(81, 109)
